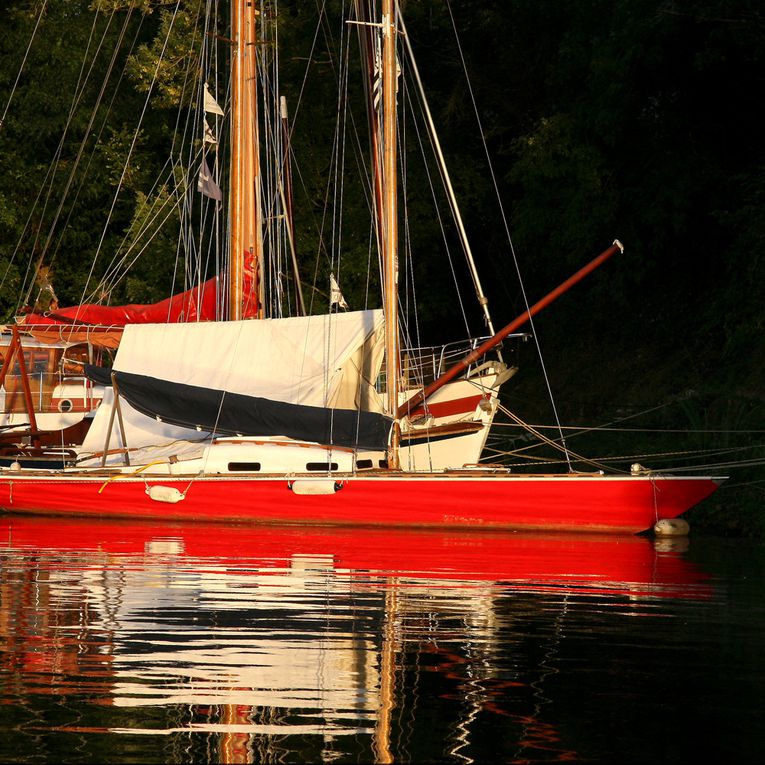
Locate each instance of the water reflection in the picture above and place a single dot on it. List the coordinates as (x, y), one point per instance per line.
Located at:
(268, 644)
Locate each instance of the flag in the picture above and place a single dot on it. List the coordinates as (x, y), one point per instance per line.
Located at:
(377, 77)
(335, 296)
(211, 105)
(210, 136)
(207, 185)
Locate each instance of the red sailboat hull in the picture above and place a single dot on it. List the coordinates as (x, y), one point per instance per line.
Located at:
(552, 502)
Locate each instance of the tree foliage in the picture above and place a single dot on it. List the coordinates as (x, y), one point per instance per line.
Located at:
(600, 119)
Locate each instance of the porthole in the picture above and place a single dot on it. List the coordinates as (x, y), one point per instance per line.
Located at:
(243, 467)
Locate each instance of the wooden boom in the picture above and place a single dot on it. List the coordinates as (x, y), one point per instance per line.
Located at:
(496, 339)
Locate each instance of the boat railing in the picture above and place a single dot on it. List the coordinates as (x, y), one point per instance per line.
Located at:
(424, 364)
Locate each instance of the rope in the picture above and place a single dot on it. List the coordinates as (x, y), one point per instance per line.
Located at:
(560, 447)
(40, 15)
(133, 143)
(507, 228)
(134, 473)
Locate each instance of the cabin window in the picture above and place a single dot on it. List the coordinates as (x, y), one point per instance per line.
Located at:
(363, 464)
(324, 466)
(243, 467)
(36, 363)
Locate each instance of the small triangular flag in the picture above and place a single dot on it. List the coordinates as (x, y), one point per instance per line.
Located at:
(207, 185)
(210, 138)
(335, 296)
(211, 105)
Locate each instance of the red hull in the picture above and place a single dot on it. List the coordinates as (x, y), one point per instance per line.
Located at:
(566, 502)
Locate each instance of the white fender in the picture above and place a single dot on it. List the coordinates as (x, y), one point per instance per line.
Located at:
(671, 527)
(161, 493)
(315, 486)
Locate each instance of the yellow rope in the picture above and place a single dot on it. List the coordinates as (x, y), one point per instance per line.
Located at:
(135, 472)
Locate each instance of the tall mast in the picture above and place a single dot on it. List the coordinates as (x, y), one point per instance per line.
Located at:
(246, 242)
(368, 43)
(390, 225)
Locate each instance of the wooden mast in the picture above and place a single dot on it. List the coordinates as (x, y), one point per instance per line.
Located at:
(390, 227)
(243, 204)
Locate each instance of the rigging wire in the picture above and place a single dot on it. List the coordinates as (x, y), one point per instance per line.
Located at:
(192, 125)
(213, 248)
(133, 143)
(83, 143)
(678, 455)
(445, 176)
(581, 430)
(40, 16)
(506, 226)
(84, 176)
(118, 269)
(550, 442)
(439, 217)
(79, 90)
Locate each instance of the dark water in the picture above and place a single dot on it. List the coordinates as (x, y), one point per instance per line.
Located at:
(150, 643)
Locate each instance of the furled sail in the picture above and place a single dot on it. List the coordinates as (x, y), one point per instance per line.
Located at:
(329, 362)
(233, 414)
(102, 324)
(196, 304)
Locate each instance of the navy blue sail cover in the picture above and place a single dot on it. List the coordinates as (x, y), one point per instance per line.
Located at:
(236, 414)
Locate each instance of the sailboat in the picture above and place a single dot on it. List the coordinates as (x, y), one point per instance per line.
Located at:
(322, 419)
(47, 403)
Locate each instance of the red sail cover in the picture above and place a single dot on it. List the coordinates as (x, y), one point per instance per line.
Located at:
(196, 304)
(200, 303)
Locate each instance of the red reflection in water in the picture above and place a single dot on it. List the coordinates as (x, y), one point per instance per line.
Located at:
(606, 563)
(44, 651)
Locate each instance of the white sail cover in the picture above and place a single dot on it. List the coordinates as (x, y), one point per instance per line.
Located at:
(313, 360)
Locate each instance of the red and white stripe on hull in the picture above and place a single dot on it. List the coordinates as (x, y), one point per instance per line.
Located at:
(458, 418)
(569, 502)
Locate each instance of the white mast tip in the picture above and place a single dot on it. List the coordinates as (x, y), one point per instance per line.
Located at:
(619, 245)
